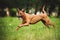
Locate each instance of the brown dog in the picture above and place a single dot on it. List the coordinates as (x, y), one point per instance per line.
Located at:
(32, 19)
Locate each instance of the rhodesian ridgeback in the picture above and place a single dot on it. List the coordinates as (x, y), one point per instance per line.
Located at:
(28, 19)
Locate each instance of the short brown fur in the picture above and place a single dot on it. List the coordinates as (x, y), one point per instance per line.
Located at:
(32, 19)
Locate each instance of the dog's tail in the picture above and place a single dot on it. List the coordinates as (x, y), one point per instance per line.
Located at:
(43, 9)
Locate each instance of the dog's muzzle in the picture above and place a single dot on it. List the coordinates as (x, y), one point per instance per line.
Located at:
(19, 16)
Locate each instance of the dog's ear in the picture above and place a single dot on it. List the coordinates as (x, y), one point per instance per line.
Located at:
(18, 9)
(23, 10)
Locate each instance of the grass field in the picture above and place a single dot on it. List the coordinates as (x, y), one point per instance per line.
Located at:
(37, 31)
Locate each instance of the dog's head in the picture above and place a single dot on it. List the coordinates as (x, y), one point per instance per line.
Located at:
(21, 13)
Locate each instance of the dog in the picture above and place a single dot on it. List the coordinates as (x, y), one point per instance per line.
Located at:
(28, 19)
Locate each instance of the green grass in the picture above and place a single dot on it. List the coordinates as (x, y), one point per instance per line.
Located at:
(37, 31)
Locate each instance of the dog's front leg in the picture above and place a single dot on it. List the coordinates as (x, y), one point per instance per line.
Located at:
(19, 26)
(23, 22)
(26, 24)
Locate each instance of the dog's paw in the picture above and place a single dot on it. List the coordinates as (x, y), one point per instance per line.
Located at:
(17, 28)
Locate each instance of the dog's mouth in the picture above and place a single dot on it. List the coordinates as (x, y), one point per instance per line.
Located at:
(19, 17)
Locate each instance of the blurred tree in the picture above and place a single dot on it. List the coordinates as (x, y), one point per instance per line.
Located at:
(59, 12)
(7, 11)
(38, 4)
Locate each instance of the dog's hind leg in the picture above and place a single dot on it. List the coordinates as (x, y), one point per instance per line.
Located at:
(45, 23)
(51, 24)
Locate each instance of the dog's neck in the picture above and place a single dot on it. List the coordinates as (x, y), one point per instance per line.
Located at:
(24, 16)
